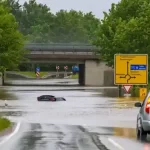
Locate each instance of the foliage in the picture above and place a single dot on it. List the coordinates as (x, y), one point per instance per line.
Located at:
(125, 29)
(75, 76)
(40, 25)
(4, 123)
(11, 41)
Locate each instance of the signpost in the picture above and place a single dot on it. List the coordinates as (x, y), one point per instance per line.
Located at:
(57, 68)
(37, 72)
(65, 68)
(143, 92)
(130, 69)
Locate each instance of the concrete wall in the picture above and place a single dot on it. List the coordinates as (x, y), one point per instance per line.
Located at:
(94, 73)
(109, 78)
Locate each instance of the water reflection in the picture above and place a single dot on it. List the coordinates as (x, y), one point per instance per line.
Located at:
(106, 92)
(125, 132)
(12, 113)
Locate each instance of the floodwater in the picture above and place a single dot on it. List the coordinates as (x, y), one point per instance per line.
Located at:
(84, 121)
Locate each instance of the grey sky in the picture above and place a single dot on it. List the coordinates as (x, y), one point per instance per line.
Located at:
(96, 6)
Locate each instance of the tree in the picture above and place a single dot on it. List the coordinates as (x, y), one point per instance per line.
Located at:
(40, 25)
(90, 24)
(11, 41)
(69, 27)
(125, 29)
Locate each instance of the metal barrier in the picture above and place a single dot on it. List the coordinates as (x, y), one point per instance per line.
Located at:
(60, 47)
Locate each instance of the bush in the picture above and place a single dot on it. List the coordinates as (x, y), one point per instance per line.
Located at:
(4, 95)
(75, 76)
(4, 123)
(135, 91)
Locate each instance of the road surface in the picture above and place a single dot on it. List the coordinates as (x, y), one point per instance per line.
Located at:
(86, 121)
(44, 82)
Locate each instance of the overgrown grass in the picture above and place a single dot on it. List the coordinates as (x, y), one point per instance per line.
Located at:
(4, 95)
(4, 123)
(135, 91)
(75, 76)
(32, 74)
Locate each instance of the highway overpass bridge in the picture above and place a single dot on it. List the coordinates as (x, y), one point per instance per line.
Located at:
(61, 53)
(92, 69)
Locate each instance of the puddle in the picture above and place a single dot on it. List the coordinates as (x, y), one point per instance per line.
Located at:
(122, 132)
(129, 133)
(110, 92)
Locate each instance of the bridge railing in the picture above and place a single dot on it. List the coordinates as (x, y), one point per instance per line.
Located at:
(85, 49)
(60, 47)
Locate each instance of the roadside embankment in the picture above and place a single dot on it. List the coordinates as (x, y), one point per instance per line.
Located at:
(4, 124)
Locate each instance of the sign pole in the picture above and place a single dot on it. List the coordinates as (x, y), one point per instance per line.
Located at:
(57, 74)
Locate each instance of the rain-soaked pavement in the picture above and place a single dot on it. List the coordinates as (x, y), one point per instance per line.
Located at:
(86, 121)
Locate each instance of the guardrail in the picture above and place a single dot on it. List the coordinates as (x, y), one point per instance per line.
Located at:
(61, 47)
(62, 52)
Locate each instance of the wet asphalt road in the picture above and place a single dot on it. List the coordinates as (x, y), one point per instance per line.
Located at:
(86, 121)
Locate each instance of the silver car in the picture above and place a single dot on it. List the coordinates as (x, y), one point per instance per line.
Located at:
(143, 119)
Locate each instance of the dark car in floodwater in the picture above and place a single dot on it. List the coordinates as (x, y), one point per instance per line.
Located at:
(50, 98)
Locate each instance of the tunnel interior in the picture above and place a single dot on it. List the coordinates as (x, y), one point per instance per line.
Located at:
(81, 74)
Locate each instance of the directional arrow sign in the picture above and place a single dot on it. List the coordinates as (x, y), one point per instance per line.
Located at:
(127, 88)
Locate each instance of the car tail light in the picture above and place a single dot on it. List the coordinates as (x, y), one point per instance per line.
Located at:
(147, 108)
(52, 99)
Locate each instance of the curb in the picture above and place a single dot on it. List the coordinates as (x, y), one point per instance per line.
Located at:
(8, 130)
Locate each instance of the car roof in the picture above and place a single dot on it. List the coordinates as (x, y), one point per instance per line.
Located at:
(48, 95)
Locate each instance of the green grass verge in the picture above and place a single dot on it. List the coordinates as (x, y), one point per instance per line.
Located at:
(32, 74)
(4, 123)
(135, 91)
(4, 95)
(75, 76)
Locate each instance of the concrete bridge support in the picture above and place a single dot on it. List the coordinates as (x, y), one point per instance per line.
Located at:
(95, 72)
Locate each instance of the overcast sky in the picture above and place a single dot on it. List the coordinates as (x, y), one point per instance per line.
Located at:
(96, 6)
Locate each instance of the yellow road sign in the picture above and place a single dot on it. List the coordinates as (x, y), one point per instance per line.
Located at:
(131, 69)
(143, 92)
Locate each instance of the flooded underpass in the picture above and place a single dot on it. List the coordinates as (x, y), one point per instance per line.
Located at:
(85, 121)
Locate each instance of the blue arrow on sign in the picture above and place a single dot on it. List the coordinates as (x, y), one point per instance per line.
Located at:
(38, 69)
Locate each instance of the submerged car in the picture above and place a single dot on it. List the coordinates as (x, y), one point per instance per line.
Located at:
(143, 119)
(50, 98)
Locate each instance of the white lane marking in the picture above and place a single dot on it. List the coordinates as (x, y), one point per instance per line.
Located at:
(115, 144)
(12, 134)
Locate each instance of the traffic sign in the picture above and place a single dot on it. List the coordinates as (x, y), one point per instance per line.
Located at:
(57, 67)
(65, 67)
(37, 69)
(131, 69)
(75, 68)
(127, 88)
(143, 92)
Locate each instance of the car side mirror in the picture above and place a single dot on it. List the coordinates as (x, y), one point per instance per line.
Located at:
(138, 104)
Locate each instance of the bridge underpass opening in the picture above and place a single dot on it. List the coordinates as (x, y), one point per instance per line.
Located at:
(81, 74)
(48, 77)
